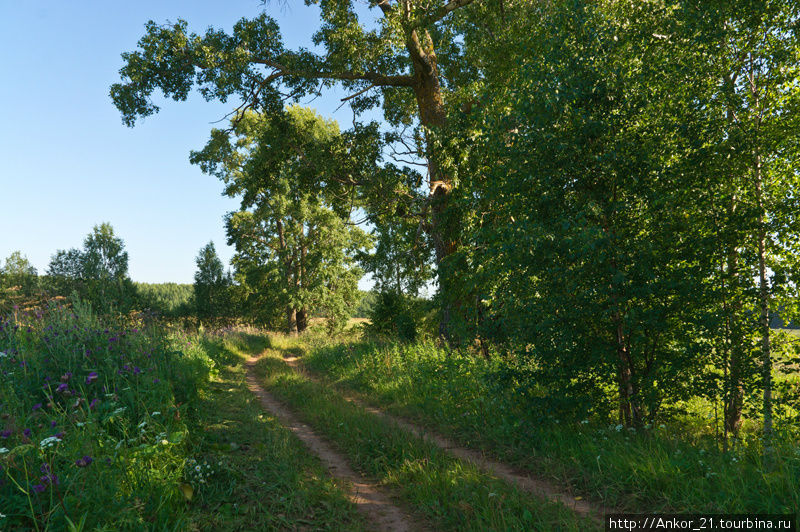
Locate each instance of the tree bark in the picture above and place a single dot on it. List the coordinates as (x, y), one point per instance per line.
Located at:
(763, 296)
(443, 228)
(734, 396)
(302, 320)
(291, 318)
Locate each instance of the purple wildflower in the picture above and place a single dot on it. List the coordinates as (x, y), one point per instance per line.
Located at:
(50, 479)
(5, 433)
(93, 403)
(27, 433)
(136, 370)
(53, 423)
(60, 435)
(38, 488)
(91, 377)
(66, 376)
(36, 407)
(83, 462)
(63, 387)
(156, 381)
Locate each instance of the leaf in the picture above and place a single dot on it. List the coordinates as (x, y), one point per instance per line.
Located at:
(187, 490)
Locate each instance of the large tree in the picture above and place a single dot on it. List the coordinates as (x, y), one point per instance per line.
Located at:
(294, 237)
(410, 61)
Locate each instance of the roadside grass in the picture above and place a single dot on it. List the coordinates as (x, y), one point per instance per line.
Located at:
(256, 475)
(662, 468)
(449, 493)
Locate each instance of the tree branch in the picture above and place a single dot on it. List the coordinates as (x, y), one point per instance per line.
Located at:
(445, 10)
(375, 78)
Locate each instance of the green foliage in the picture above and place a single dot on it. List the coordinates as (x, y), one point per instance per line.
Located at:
(366, 302)
(212, 299)
(98, 273)
(167, 299)
(295, 245)
(395, 315)
(18, 281)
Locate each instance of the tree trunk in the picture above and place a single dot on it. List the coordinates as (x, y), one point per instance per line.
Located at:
(443, 228)
(734, 396)
(291, 320)
(763, 296)
(302, 320)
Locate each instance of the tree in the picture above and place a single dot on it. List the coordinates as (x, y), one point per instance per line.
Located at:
(294, 241)
(397, 64)
(18, 278)
(211, 286)
(754, 54)
(104, 256)
(98, 272)
(17, 270)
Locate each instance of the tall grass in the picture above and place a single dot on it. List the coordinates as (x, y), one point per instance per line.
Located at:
(661, 467)
(92, 421)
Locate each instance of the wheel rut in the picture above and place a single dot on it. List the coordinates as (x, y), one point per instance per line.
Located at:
(376, 506)
(500, 470)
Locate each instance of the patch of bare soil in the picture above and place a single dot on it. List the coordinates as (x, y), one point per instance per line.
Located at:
(378, 508)
(523, 480)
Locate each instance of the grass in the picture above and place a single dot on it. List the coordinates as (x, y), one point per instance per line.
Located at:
(450, 494)
(118, 424)
(659, 469)
(260, 477)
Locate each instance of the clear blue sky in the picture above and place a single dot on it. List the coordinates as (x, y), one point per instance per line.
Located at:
(66, 160)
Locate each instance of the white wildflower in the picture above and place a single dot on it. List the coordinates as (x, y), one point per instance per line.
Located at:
(49, 442)
(3, 450)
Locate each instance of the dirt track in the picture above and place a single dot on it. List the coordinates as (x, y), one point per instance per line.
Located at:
(524, 481)
(378, 508)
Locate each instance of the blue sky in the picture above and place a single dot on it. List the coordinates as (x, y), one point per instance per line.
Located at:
(66, 160)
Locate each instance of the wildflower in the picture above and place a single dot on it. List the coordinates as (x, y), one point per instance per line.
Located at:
(618, 427)
(156, 414)
(156, 381)
(136, 370)
(27, 433)
(49, 442)
(66, 376)
(93, 403)
(83, 462)
(91, 377)
(60, 435)
(38, 488)
(50, 479)
(62, 388)
(3, 450)
(53, 424)
(5, 434)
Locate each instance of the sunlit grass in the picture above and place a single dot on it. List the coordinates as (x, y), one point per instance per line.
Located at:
(453, 495)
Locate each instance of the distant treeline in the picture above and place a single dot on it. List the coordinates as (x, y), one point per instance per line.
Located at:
(74, 274)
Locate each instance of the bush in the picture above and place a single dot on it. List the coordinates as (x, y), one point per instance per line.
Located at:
(395, 315)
